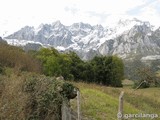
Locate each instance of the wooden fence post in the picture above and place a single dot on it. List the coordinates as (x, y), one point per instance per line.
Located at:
(78, 105)
(66, 111)
(120, 109)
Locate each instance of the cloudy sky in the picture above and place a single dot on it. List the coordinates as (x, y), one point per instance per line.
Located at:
(16, 13)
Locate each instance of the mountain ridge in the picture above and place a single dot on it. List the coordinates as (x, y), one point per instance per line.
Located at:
(126, 38)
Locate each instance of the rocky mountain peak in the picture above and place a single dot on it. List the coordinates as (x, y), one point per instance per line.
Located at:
(81, 25)
(127, 38)
(99, 27)
(57, 24)
(126, 22)
(27, 29)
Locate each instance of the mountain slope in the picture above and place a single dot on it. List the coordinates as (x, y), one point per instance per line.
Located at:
(140, 39)
(126, 38)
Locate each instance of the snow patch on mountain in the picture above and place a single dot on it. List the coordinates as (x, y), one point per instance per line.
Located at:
(126, 37)
(151, 57)
(16, 42)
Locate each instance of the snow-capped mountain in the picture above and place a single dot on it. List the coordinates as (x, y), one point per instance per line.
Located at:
(138, 39)
(127, 38)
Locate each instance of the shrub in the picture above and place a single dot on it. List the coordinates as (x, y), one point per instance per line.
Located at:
(33, 97)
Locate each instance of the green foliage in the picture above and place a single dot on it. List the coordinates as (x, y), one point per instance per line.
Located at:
(46, 96)
(108, 70)
(29, 85)
(101, 70)
(50, 61)
(32, 97)
(67, 90)
(88, 73)
(65, 64)
(52, 67)
(76, 66)
(117, 70)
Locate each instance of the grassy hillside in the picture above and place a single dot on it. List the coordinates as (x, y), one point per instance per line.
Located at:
(15, 57)
(101, 103)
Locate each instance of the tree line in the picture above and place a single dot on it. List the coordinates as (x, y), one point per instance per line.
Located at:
(105, 70)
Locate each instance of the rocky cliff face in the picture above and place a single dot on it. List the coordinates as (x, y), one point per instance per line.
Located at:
(140, 39)
(126, 39)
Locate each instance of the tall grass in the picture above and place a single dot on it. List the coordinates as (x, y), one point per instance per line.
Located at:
(101, 102)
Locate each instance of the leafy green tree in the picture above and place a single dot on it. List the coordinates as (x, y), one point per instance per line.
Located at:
(108, 70)
(50, 60)
(117, 71)
(98, 67)
(52, 67)
(76, 66)
(88, 72)
(65, 65)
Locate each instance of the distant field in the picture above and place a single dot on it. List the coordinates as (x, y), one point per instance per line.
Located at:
(101, 103)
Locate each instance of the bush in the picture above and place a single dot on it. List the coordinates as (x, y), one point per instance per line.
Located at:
(33, 97)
